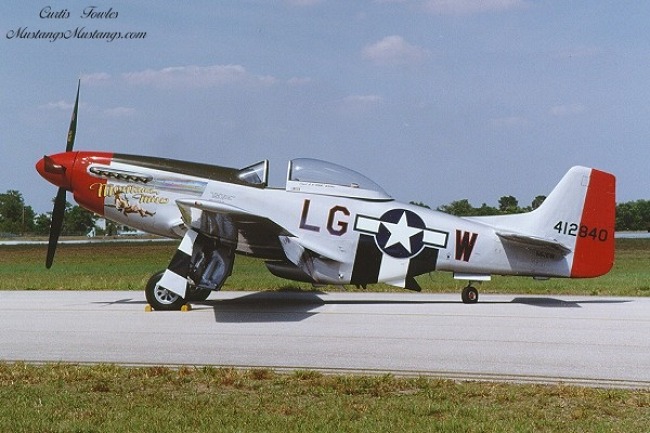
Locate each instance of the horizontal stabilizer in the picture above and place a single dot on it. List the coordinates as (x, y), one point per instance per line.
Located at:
(535, 243)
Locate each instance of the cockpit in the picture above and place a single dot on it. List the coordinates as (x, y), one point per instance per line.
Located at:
(315, 176)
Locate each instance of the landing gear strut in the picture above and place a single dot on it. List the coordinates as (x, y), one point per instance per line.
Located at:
(469, 295)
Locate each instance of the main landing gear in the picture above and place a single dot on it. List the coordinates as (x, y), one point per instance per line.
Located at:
(469, 295)
(162, 299)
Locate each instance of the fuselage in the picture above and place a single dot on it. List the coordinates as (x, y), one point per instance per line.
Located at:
(340, 239)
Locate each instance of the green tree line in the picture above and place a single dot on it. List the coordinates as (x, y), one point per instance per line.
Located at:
(507, 205)
(17, 218)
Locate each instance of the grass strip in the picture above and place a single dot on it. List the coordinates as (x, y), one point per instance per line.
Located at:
(82, 398)
(128, 266)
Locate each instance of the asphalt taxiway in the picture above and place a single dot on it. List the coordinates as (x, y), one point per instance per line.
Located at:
(582, 340)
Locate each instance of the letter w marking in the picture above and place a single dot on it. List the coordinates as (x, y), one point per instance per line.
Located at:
(465, 242)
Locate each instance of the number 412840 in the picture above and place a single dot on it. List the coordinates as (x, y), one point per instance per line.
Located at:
(581, 230)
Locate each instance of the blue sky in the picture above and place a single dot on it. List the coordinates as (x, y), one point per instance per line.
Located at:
(435, 100)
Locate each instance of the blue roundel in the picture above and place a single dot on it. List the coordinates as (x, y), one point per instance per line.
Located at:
(400, 233)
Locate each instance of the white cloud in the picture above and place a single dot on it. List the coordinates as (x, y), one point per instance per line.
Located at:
(98, 77)
(363, 99)
(357, 104)
(196, 76)
(299, 81)
(567, 110)
(394, 50)
(58, 105)
(464, 7)
(303, 2)
(119, 112)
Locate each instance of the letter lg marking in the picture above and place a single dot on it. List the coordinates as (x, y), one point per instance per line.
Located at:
(335, 226)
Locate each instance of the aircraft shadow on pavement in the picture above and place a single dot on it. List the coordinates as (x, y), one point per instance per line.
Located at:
(560, 303)
(125, 301)
(263, 307)
(296, 306)
(290, 306)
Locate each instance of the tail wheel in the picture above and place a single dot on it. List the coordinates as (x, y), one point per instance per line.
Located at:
(469, 295)
(160, 298)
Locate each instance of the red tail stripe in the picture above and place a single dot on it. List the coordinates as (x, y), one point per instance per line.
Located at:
(594, 250)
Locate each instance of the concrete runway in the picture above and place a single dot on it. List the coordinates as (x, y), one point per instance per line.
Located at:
(582, 340)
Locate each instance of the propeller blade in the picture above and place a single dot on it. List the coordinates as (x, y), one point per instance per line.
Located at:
(72, 131)
(59, 202)
(55, 228)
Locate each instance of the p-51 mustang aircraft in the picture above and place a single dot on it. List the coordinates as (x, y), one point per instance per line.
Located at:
(329, 225)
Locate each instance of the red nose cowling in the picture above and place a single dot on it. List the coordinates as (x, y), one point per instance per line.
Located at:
(57, 169)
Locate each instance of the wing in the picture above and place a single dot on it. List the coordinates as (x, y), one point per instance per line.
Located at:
(247, 232)
(295, 257)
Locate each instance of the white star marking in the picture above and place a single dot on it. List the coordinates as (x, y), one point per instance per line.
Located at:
(401, 233)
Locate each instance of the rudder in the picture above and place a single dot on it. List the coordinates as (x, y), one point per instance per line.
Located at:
(593, 254)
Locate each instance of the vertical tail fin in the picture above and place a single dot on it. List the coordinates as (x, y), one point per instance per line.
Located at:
(576, 219)
(580, 213)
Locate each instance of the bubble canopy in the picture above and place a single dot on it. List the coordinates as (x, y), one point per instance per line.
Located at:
(321, 177)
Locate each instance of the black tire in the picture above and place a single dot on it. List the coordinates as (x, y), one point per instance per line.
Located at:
(469, 295)
(160, 298)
